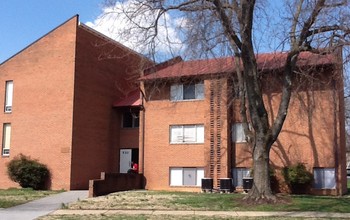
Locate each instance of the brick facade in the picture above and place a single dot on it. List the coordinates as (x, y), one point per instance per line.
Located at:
(313, 133)
(65, 84)
(63, 114)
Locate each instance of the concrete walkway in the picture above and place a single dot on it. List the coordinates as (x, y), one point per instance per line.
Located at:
(40, 207)
(205, 213)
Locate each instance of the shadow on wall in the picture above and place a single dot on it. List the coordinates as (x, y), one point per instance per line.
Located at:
(310, 127)
(309, 135)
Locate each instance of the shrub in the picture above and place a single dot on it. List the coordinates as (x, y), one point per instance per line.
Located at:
(298, 178)
(27, 172)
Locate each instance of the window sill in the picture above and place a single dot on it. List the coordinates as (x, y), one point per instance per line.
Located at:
(193, 143)
(187, 100)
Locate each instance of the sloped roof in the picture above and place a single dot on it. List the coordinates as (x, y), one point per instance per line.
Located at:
(132, 99)
(268, 61)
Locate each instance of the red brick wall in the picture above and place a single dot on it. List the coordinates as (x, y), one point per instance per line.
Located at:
(41, 117)
(159, 154)
(312, 133)
(103, 74)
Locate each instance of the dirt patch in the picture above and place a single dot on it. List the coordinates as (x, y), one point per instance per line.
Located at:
(130, 200)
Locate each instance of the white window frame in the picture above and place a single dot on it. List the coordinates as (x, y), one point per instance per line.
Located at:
(180, 134)
(177, 178)
(238, 135)
(324, 178)
(177, 92)
(6, 139)
(8, 96)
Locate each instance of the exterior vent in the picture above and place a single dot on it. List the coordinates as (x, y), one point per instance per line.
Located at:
(8, 108)
(5, 152)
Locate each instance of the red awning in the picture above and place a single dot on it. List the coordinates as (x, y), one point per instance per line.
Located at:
(133, 99)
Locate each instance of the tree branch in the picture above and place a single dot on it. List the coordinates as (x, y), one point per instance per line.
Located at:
(226, 23)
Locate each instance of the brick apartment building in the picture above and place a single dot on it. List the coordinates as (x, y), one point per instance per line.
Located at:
(58, 104)
(192, 126)
(70, 101)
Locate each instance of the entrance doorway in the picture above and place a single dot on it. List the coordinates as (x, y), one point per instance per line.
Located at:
(126, 157)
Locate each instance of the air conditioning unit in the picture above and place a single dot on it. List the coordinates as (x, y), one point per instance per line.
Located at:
(8, 108)
(5, 152)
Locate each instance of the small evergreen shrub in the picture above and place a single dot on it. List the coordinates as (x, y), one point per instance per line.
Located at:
(298, 178)
(27, 172)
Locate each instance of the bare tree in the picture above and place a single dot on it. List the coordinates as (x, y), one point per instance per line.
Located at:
(231, 27)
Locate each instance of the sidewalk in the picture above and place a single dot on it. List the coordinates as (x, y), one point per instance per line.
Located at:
(40, 207)
(204, 213)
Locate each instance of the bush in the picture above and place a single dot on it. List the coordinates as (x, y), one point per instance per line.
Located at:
(27, 172)
(298, 178)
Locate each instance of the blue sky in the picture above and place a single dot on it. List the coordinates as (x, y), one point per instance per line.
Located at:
(24, 21)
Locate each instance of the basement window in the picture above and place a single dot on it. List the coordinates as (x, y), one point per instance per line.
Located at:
(186, 176)
(324, 178)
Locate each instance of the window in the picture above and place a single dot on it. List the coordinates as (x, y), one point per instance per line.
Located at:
(238, 174)
(186, 134)
(324, 178)
(186, 176)
(6, 137)
(9, 95)
(186, 91)
(130, 120)
(238, 135)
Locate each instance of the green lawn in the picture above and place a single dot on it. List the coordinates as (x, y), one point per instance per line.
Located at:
(13, 197)
(163, 200)
(223, 202)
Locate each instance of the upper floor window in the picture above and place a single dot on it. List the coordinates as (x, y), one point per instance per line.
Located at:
(6, 136)
(187, 91)
(186, 134)
(130, 119)
(8, 96)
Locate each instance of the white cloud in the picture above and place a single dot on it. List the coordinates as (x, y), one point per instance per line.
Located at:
(137, 34)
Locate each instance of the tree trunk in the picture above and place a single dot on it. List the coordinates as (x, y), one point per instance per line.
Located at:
(261, 191)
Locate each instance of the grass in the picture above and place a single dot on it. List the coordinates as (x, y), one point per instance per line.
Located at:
(163, 200)
(157, 200)
(13, 197)
(156, 217)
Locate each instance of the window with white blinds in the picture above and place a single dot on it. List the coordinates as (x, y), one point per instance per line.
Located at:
(186, 134)
(180, 92)
(186, 176)
(6, 138)
(324, 178)
(238, 135)
(8, 96)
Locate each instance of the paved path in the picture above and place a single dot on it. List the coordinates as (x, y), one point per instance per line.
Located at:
(40, 207)
(205, 213)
